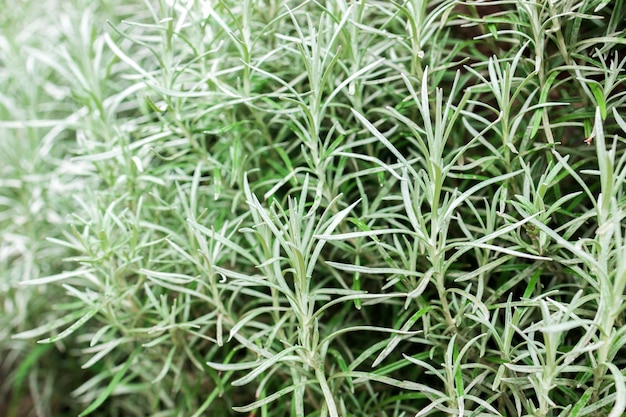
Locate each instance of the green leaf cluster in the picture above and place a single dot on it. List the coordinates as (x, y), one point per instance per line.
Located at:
(313, 208)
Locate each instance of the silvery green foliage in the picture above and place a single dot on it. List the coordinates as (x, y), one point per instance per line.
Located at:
(372, 208)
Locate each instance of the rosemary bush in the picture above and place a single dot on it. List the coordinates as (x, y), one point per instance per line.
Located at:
(313, 208)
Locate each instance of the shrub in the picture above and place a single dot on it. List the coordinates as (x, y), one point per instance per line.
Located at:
(373, 208)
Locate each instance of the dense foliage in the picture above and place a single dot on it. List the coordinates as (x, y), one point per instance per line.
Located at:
(312, 208)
